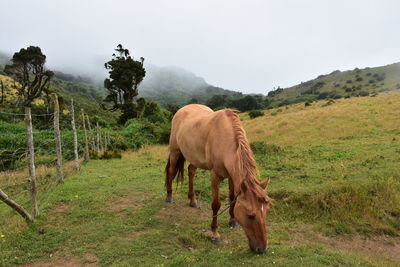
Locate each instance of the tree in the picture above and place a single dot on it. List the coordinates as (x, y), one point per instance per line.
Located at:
(125, 75)
(217, 101)
(246, 103)
(28, 70)
(193, 100)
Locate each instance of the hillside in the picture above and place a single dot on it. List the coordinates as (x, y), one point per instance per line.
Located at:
(334, 180)
(357, 82)
(177, 86)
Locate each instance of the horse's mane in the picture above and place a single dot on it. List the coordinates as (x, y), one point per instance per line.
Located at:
(248, 167)
(247, 163)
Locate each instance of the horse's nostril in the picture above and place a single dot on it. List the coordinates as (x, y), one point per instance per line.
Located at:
(259, 250)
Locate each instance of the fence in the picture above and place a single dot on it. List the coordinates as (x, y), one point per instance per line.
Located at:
(24, 151)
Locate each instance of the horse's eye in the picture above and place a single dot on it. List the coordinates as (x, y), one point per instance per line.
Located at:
(251, 216)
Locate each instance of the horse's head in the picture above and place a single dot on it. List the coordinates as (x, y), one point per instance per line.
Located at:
(251, 208)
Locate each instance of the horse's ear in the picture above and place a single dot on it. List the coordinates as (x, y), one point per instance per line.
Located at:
(243, 187)
(264, 183)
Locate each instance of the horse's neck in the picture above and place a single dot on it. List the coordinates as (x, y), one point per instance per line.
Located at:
(238, 176)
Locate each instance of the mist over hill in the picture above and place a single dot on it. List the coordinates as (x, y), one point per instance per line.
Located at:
(175, 85)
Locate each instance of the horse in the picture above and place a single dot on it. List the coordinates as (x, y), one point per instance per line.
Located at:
(216, 141)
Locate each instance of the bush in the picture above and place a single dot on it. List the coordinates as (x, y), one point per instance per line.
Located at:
(328, 103)
(256, 113)
(363, 93)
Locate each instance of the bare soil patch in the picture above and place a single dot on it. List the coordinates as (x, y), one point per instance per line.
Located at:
(59, 260)
(180, 212)
(386, 247)
(132, 201)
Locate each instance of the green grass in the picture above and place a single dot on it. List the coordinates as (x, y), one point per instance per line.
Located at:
(334, 179)
(146, 230)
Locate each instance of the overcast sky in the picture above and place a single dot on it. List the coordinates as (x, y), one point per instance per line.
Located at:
(248, 45)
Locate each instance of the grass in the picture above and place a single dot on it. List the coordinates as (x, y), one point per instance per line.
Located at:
(334, 177)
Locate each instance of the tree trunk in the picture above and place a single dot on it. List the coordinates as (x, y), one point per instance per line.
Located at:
(57, 137)
(31, 160)
(75, 136)
(15, 206)
(86, 154)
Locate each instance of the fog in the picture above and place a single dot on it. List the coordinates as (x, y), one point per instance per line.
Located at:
(250, 46)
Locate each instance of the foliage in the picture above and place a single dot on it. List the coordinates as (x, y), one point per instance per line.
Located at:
(125, 76)
(28, 70)
(255, 113)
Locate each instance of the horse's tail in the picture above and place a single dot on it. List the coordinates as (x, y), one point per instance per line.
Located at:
(179, 169)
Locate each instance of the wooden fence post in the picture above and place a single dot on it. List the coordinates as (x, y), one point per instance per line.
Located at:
(75, 135)
(86, 154)
(57, 137)
(15, 206)
(105, 142)
(98, 137)
(92, 139)
(31, 160)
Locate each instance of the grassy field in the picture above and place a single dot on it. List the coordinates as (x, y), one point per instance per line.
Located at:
(335, 180)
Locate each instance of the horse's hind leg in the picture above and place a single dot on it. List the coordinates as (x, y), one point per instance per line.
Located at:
(170, 171)
(191, 194)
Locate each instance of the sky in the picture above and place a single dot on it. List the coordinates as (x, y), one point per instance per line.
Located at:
(250, 46)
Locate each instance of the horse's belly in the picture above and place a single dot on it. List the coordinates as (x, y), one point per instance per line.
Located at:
(197, 159)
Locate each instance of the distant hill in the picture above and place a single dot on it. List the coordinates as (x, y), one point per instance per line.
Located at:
(174, 85)
(357, 82)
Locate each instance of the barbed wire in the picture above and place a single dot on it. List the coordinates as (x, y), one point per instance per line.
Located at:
(23, 114)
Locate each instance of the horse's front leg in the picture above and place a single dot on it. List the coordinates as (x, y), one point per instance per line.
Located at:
(232, 221)
(191, 194)
(216, 204)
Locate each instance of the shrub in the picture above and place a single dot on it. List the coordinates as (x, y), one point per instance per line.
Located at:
(328, 103)
(255, 113)
(363, 93)
(359, 79)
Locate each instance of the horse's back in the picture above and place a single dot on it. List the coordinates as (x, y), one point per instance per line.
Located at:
(201, 134)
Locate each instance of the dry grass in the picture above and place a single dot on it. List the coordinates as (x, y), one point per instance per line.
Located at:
(317, 124)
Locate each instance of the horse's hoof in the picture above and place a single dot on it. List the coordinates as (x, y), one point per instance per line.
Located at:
(234, 224)
(169, 200)
(215, 240)
(194, 205)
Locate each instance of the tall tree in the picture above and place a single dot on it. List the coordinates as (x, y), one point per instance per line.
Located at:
(125, 75)
(28, 70)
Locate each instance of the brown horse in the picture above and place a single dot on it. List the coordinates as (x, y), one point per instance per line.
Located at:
(216, 141)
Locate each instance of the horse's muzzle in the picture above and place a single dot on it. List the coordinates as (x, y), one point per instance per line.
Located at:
(257, 249)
